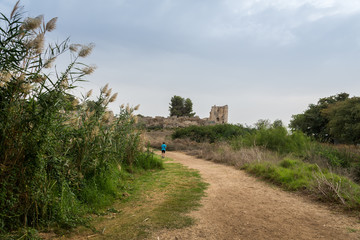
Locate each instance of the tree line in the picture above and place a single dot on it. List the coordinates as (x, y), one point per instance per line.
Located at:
(334, 119)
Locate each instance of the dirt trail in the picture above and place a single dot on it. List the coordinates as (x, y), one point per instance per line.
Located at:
(238, 206)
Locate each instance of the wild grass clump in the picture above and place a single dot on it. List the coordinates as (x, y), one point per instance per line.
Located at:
(288, 173)
(60, 156)
(295, 175)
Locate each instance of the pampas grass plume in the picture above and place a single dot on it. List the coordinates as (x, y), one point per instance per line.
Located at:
(105, 88)
(86, 50)
(88, 70)
(88, 94)
(74, 47)
(113, 97)
(33, 23)
(51, 25)
(49, 62)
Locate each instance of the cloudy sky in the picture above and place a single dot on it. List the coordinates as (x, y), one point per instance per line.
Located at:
(266, 59)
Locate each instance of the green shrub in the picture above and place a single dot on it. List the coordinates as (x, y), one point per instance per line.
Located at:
(275, 138)
(211, 133)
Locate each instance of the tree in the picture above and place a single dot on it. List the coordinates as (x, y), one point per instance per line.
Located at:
(313, 122)
(344, 120)
(181, 107)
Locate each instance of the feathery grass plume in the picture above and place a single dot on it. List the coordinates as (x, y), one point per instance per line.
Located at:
(86, 50)
(49, 62)
(108, 92)
(104, 89)
(122, 106)
(88, 94)
(74, 47)
(106, 116)
(5, 77)
(39, 78)
(37, 44)
(136, 107)
(21, 77)
(26, 88)
(88, 70)
(113, 97)
(51, 25)
(2, 84)
(16, 7)
(33, 23)
(95, 131)
(136, 120)
(128, 108)
(75, 102)
(64, 83)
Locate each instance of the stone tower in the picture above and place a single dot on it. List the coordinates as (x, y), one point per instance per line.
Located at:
(219, 114)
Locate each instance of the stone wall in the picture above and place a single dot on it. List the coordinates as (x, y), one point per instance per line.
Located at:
(171, 122)
(218, 115)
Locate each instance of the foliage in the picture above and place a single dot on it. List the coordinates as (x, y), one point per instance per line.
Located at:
(344, 120)
(58, 157)
(211, 133)
(271, 136)
(313, 122)
(181, 107)
(275, 137)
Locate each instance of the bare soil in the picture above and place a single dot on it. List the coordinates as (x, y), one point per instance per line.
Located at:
(238, 206)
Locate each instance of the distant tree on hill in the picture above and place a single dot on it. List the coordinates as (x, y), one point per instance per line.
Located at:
(181, 107)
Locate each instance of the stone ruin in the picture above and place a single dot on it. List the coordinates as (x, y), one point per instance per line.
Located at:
(218, 115)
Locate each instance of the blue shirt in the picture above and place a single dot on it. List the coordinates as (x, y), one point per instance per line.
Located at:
(163, 147)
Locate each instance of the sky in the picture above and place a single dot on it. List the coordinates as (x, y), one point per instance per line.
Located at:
(265, 59)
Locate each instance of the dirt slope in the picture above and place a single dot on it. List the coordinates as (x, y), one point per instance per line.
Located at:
(239, 206)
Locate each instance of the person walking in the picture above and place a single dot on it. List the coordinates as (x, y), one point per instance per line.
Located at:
(163, 149)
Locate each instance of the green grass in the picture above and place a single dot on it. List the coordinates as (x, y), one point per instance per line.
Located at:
(152, 200)
(289, 174)
(295, 175)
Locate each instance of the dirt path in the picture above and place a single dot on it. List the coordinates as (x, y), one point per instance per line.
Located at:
(238, 206)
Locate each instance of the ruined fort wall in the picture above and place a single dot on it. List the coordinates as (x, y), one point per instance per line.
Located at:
(218, 115)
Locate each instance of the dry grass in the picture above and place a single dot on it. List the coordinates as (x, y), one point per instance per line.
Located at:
(217, 152)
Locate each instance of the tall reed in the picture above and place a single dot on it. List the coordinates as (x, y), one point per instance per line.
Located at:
(58, 154)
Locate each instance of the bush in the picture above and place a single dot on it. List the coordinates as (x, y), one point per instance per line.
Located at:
(275, 138)
(212, 133)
